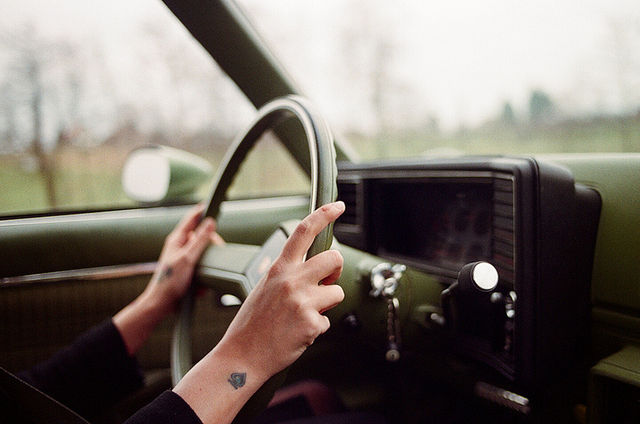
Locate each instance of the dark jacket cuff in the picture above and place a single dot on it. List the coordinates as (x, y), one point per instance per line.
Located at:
(168, 408)
(91, 374)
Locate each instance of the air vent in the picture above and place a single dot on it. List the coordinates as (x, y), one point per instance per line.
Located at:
(350, 192)
(503, 229)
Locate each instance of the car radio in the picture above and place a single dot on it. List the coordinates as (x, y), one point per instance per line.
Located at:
(520, 215)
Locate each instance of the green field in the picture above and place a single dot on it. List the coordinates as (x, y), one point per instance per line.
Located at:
(86, 180)
(89, 179)
(584, 136)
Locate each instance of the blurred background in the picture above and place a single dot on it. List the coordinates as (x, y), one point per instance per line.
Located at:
(82, 83)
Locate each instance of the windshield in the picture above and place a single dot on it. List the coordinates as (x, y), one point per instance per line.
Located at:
(409, 78)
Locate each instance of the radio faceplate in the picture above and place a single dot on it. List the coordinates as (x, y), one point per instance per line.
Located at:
(521, 215)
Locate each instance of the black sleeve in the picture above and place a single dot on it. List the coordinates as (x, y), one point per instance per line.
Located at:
(168, 408)
(91, 374)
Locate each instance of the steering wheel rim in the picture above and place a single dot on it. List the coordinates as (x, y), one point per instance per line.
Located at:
(323, 173)
(322, 154)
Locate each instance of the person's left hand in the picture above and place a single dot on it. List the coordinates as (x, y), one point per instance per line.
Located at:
(182, 249)
(170, 281)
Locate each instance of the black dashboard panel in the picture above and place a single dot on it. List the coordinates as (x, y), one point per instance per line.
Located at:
(526, 217)
(451, 228)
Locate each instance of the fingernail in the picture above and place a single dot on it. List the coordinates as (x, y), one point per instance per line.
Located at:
(339, 205)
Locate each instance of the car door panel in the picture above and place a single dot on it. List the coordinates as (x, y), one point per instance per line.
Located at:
(61, 275)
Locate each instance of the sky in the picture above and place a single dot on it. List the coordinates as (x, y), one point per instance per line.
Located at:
(454, 61)
(461, 60)
(133, 59)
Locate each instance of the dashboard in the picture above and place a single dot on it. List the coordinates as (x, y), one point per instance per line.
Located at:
(526, 217)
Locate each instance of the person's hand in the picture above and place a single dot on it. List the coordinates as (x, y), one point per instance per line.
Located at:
(182, 249)
(170, 281)
(282, 315)
(280, 318)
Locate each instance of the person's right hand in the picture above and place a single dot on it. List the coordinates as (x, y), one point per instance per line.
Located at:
(282, 315)
(280, 318)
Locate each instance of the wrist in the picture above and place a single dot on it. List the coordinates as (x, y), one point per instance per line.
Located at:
(137, 320)
(154, 303)
(219, 385)
(242, 359)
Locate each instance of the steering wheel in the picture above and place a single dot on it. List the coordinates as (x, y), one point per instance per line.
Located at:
(236, 268)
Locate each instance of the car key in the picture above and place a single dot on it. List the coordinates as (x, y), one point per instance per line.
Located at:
(393, 330)
(384, 283)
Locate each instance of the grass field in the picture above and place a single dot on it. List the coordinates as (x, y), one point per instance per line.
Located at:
(588, 136)
(90, 178)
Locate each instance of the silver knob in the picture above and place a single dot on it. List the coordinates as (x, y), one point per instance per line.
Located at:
(477, 277)
(484, 276)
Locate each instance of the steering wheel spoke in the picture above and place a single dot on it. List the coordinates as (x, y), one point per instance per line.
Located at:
(222, 268)
(237, 268)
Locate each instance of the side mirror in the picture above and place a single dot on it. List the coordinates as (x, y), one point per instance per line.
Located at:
(154, 174)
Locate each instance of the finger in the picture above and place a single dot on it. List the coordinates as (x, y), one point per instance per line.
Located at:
(323, 268)
(316, 325)
(332, 278)
(323, 324)
(327, 297)
(217, 240)
(301, 239)
(188, 223)
(199, 240)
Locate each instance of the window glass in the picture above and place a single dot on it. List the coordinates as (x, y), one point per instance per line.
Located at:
(84, 82)
(269, 170)
(438, 77)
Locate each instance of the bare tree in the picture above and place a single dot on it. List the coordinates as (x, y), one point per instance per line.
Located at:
(31, 60)
(9, 131)
(46, 165)
(196, 101)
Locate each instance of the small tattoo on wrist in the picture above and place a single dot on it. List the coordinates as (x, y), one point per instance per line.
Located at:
(165, 273)
(237, 379)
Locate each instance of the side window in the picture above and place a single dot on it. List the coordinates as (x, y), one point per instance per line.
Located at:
(84, 83)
